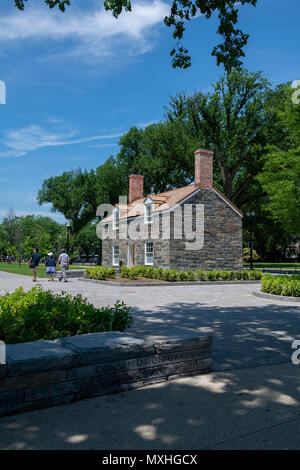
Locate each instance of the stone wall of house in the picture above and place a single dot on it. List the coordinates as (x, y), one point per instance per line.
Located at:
(143, 232)
(222, 248)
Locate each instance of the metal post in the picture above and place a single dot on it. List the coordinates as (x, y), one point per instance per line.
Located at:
(251, 245)
(100, 253)
(68, 236)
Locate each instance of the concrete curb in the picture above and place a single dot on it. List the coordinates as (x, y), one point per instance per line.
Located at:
(73, 273)
(42, 374)
(167, 283)
(284, 298)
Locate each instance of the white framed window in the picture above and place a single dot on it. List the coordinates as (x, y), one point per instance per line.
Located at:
(149, 253)
(149, 205)
(116, 217)
(116, 258)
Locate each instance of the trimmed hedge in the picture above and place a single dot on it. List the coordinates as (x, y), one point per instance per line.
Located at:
(281, 285)
(41, 314)
(101, 273)
(172, 275)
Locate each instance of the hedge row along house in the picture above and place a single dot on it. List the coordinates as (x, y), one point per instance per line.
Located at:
(193, 227)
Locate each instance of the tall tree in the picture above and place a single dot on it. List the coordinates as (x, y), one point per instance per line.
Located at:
(73, 194)
(228, 53)
(51, 3)
(236, 120)
(9, 228)
(237, 123)
(280, 176)
(86, 240)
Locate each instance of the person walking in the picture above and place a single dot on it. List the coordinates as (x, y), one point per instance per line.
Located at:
(34, 262)
(64, 262)
(51, 267)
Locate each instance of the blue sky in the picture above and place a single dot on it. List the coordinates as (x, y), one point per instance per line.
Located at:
(77, 81)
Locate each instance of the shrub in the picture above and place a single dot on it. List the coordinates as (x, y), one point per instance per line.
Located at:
(255, 275)
(141, 270)
(149, 272)
(101, 273)
(160, 273)
(213, 275)
(182, 276)
(245, 275)
(133, 273)
(124, 272)
(225, 275)
(239, 275)
(170, 275)
(41, 314)
(201, 275)
(191, 275)
(281, 285)
(246, 255)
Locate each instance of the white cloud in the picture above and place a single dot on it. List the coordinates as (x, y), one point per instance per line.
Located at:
(92, 32)
(31, 138)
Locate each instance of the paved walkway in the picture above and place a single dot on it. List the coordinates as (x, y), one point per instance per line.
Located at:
(238, 408)
(253, 408)
(246, 330)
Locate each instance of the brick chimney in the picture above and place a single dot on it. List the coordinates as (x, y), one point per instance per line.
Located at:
(136, 187)
(204, 168)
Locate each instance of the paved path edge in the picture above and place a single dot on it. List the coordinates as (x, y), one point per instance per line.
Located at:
(284, 298)
(160, 284)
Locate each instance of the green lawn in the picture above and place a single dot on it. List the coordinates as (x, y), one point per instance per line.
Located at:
(289, 266)
(24, 269)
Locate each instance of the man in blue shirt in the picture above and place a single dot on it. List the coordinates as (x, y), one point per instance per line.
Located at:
(34, 262)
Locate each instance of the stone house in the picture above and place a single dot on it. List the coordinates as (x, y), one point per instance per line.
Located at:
(193, 227)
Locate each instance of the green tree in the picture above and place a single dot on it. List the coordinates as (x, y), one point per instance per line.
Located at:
(280, 176)
(73, 194)
(51, 3)
(111, 181)
(42, 232)
(228, 53)
(86, 240)
(236, 121)
(20, 235)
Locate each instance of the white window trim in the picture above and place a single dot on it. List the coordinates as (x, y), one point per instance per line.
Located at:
(116, 218)
(146, 263)
(113, 255)
(148, 203)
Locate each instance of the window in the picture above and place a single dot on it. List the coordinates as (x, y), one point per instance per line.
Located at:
(149, 253)
(116, 258)
(116, 217)
(148, 211)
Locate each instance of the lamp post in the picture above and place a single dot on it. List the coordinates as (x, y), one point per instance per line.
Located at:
(250, 243)
(99, 262)
(68, 235)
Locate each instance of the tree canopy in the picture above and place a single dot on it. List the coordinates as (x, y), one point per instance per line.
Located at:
(253, 130)
(280, 176)
(20, 235)
(229, 52)
(51, 3)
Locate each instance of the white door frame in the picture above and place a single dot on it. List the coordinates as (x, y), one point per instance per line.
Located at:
(130, 255)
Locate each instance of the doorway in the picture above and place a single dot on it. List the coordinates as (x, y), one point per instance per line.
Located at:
(131, 255)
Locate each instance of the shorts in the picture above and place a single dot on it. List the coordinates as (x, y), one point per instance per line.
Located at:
(51, 271)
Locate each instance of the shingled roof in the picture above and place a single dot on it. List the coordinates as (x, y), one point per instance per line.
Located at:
(164, 201)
